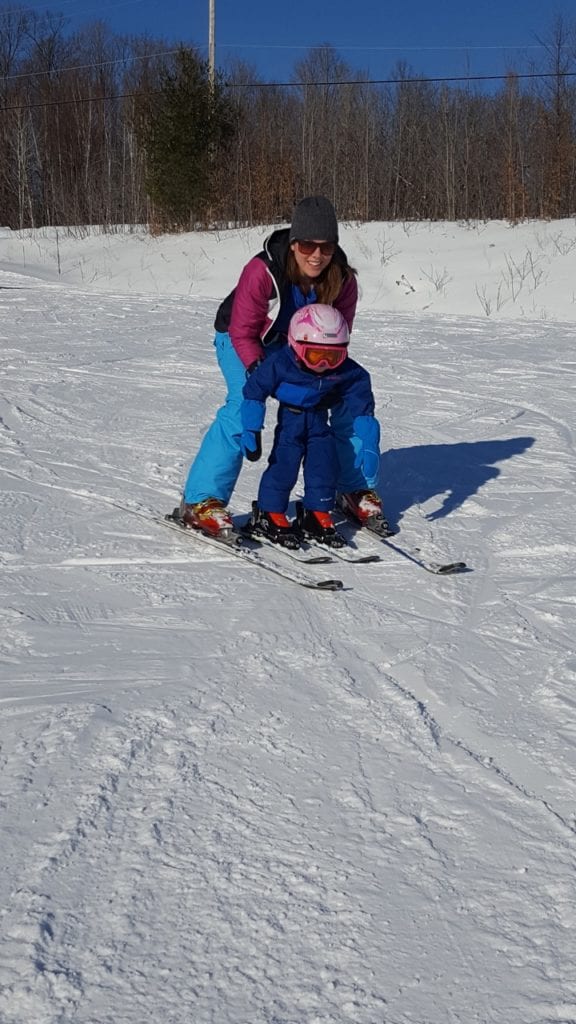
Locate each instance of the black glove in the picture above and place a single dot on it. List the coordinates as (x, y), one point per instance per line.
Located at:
(250, 369)
(252, 415)
(252, 445)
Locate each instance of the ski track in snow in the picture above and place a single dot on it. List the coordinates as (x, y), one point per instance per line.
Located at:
(229, 801)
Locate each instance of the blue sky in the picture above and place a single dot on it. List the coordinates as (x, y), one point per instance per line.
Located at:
(434, 39)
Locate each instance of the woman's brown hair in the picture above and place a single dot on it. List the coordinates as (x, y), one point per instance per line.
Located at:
(329, 283)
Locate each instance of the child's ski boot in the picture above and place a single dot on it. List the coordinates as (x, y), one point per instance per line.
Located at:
(318, 526)
(274, 526)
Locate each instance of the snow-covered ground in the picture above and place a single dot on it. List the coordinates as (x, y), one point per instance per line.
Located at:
(229, 800)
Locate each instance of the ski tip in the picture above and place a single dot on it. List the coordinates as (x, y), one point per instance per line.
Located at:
(453, 567)
(329, 585)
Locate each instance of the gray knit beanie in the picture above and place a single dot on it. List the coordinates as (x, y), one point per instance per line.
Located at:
(314, 219)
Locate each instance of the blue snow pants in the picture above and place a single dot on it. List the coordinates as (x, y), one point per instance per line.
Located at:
(216, 468)
(302, 437)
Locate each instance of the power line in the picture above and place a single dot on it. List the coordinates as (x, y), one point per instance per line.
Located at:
(35, 9)
(80, 99)
(282, 85)
(168, 53)
(89, 67)
(404, 81)
(384, 49)
(278, 46)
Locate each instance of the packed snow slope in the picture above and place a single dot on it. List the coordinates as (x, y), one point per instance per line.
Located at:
(229, 800)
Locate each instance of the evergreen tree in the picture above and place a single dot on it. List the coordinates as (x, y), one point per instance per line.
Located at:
(186, 133)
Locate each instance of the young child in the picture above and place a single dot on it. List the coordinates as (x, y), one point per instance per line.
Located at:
(309, 376)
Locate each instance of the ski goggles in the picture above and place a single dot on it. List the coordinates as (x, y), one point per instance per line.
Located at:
(318, 357)
(307, 248)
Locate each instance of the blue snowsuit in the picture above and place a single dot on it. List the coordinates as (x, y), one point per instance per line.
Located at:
(303, 433)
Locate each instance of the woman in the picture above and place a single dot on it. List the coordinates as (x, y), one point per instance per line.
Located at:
(298, 265)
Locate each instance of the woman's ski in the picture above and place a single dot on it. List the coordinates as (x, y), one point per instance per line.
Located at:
(239, 547)
(413, 554)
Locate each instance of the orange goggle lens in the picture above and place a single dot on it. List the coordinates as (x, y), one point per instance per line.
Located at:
(317, 356)
(326, 248)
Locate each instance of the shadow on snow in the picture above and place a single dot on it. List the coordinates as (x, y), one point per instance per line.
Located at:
(411, 476)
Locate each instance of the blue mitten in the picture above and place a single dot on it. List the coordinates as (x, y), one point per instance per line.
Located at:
(367, 432)
(252, 414)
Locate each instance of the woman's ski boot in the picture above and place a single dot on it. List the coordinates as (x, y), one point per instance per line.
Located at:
(365, 508)
(209, 516)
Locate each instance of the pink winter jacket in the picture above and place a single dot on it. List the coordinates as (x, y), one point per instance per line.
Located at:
(249, 313)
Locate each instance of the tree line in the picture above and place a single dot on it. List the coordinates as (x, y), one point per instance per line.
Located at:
(97, 128)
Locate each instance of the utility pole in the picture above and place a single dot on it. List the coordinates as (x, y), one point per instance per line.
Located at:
(211, 61)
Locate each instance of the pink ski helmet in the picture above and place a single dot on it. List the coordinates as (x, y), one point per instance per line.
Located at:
(319, 336)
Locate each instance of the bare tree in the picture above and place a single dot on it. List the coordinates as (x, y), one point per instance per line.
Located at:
(75, 113)
(556, 142)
